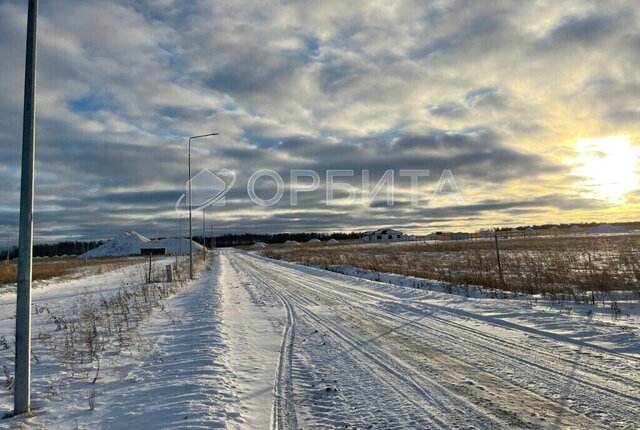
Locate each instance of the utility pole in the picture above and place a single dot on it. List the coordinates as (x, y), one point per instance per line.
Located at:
(22, 387)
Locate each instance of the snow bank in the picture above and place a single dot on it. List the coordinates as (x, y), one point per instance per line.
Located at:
(607, 228)
(127, 243)
(259, 245)
(174, 245)
(292, 243)
(332, 242)
(130, 243)
(314, 240)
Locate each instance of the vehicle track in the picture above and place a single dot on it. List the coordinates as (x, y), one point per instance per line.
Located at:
(532, 369)
(536, 374)
(625, 362)
(283, 414)
(416, 397)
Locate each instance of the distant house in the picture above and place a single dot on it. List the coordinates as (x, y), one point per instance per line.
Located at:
(382, 235)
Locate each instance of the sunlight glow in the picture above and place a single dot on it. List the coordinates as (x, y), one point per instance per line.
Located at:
(609, 167)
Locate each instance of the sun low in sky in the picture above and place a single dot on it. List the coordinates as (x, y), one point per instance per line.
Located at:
(609, 167)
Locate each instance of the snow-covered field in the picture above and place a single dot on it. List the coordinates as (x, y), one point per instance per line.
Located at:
(256, 343)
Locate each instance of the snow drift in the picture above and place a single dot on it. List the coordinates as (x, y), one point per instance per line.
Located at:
(608, 228)
(130, 243)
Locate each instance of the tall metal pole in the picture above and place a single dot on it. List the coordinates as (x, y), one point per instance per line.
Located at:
(204, 235)
(22, 398)
(190, 217)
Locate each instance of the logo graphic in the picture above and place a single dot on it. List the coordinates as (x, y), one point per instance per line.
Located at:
(206, 189)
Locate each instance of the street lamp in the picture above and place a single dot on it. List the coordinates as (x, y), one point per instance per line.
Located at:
(179, 239)
(190, 226)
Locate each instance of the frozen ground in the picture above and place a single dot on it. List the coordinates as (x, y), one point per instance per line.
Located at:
(372, 354)
(256, 343)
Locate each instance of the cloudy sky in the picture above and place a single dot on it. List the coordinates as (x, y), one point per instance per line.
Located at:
(532, 105)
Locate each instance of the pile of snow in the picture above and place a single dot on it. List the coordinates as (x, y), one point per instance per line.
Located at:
(314, 240)
(127, 243)
(608, 228)
(259, 245)
(292, 243)
(130, 243)
(529, 230)
(332, 242)
(174, 245)
(575, 228)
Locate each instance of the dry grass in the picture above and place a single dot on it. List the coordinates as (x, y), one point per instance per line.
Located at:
(96, 331)
(574, 266)
(63, 267)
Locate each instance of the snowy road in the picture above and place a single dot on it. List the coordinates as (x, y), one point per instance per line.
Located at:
(255, 343)
(361, 354)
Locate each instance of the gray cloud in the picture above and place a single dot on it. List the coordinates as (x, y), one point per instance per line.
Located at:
(470, 86)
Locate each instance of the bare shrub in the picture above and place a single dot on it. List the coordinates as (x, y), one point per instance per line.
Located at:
(81, 335)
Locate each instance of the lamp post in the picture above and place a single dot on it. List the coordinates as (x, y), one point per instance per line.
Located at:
(22, 381)
(190, 225)
(179, 239)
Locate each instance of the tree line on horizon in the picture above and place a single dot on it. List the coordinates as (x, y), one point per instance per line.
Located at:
(66, 248)
(57, 249)
(231, 239)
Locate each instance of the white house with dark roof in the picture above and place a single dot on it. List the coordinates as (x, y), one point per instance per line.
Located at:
(383, 235)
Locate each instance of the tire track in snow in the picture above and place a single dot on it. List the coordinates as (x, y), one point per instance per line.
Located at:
(505, 347)
(504, 352)
(283, 415)
(483, 341)
(507, 357)
(420, 402)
